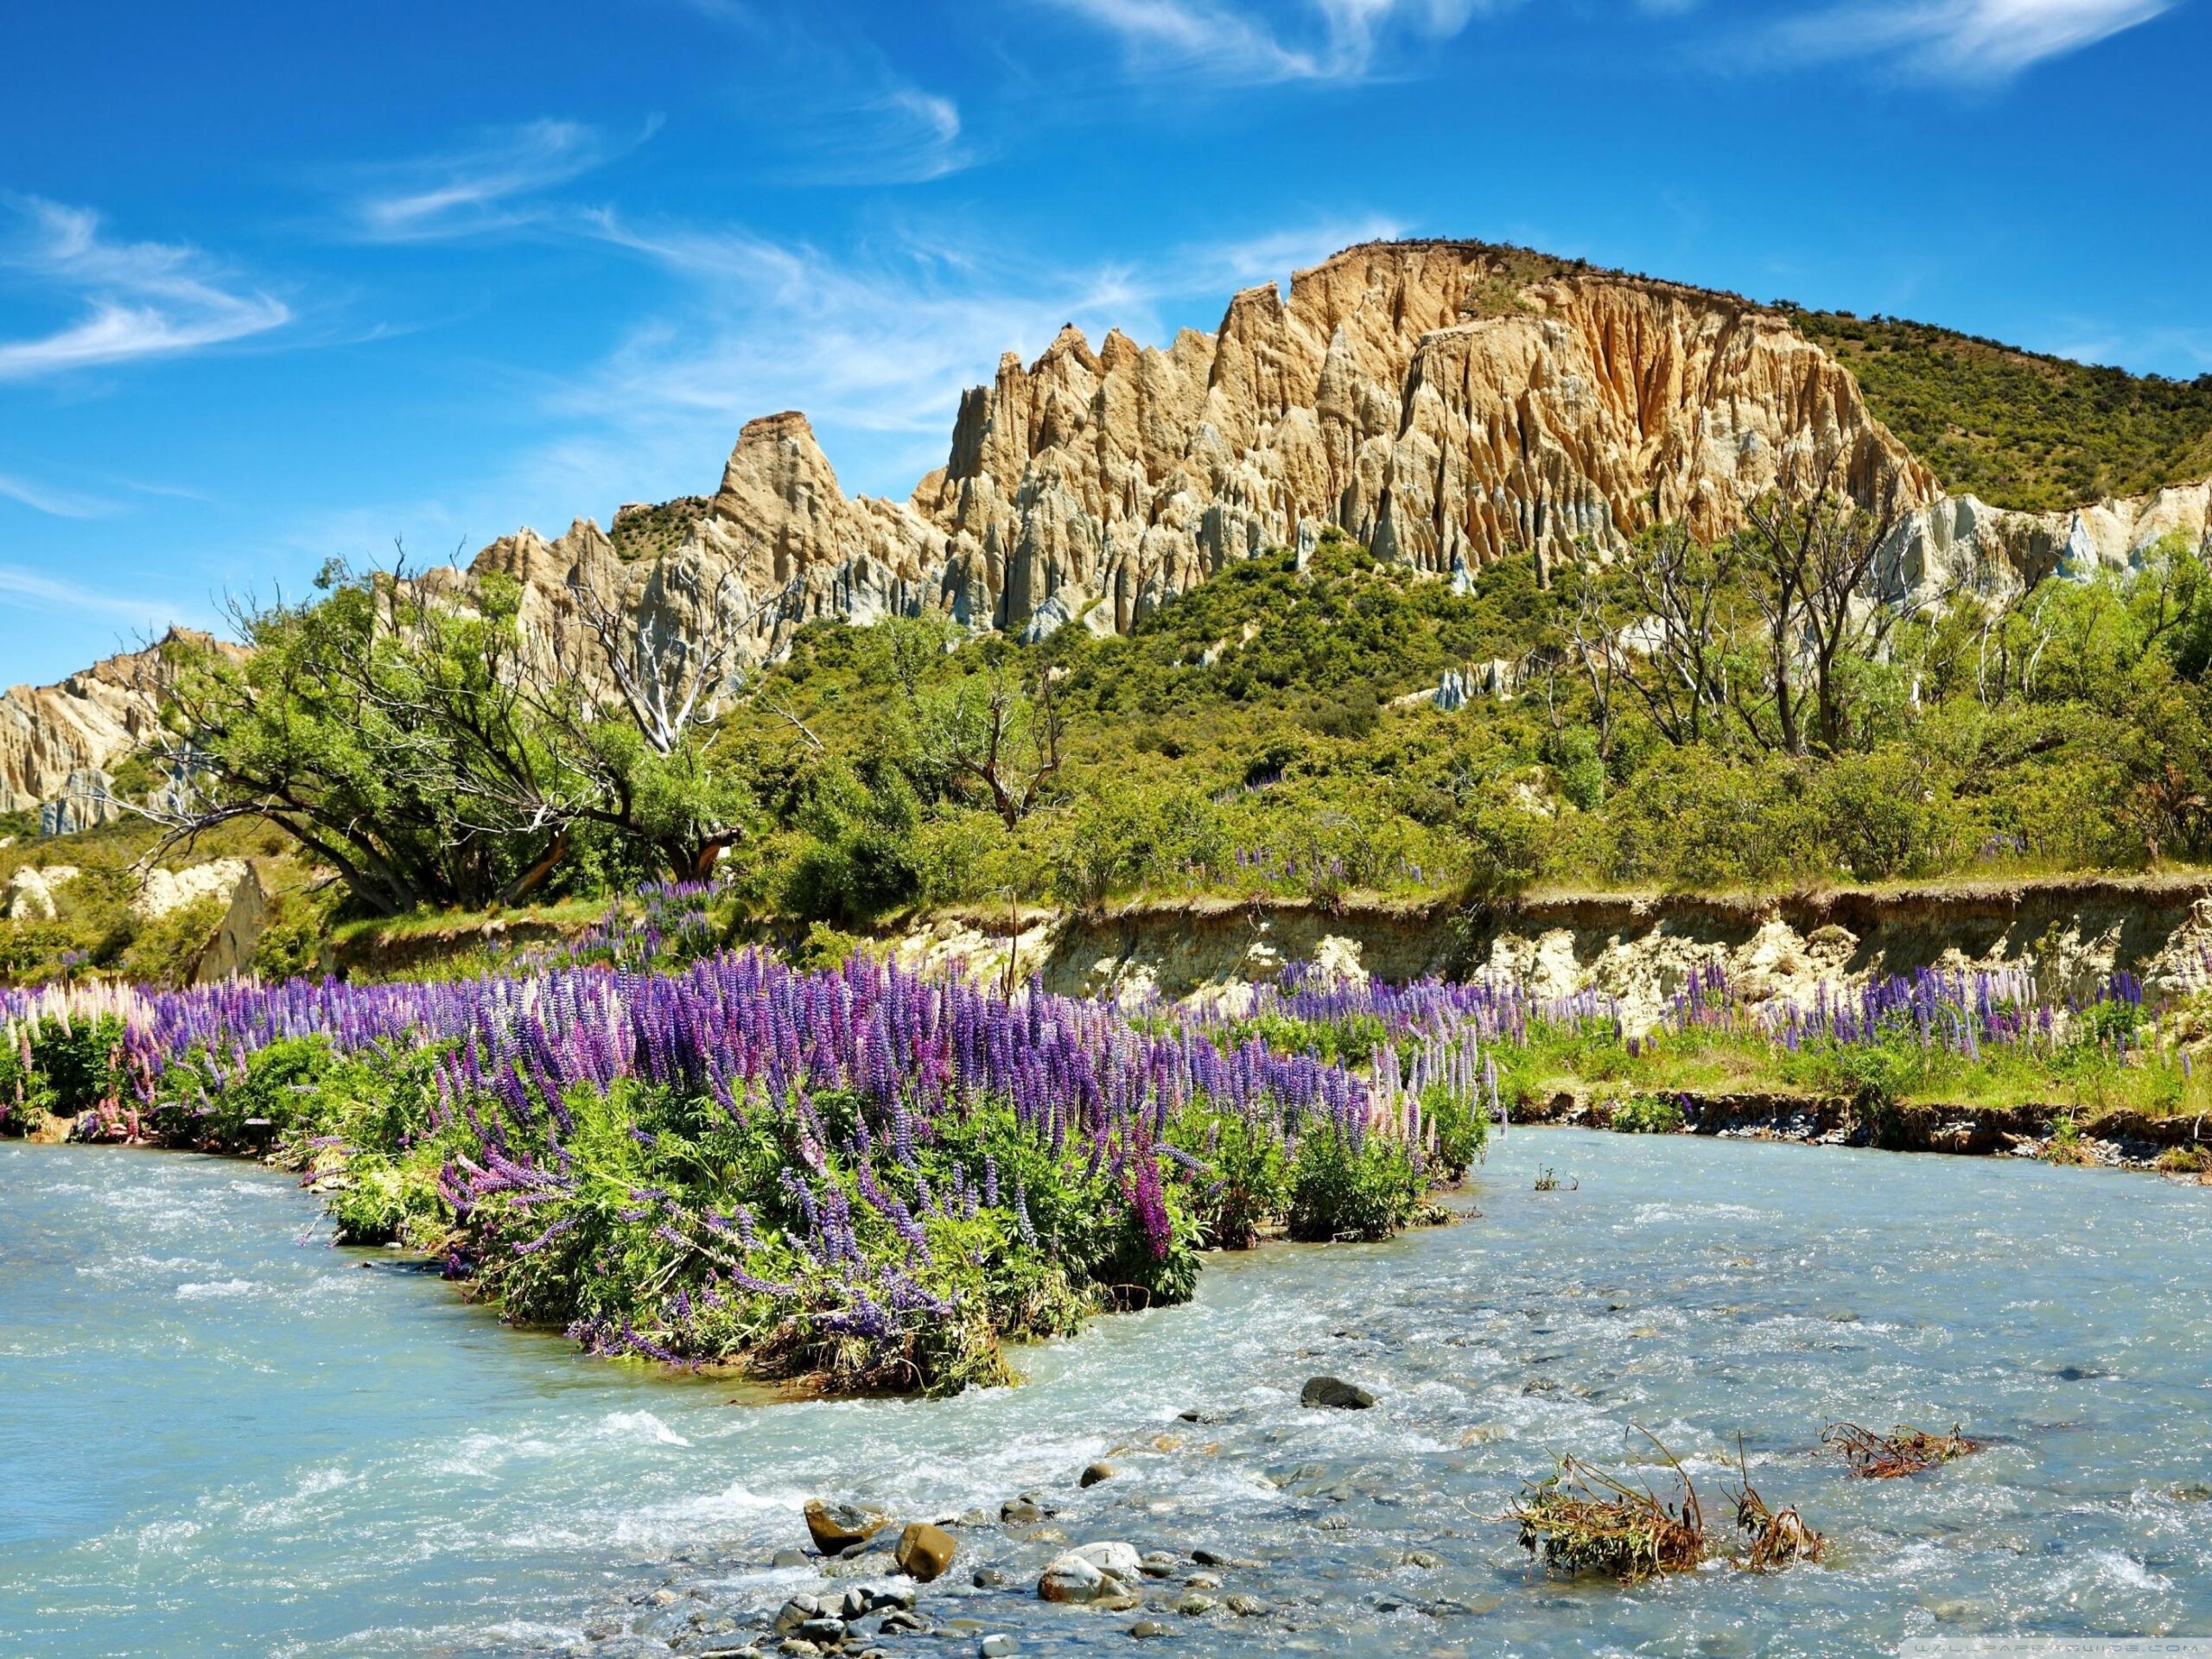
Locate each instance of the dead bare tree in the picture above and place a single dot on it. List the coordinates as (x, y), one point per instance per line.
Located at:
(995, 731)
(669, 681)
(1673, 652)
(1810, 558)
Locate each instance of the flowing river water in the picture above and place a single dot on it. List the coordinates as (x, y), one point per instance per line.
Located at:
(218, 1435)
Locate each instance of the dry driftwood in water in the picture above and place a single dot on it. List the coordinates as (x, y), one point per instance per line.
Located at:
(1778, 1538)
(1903, 1450)
(1579, 1520)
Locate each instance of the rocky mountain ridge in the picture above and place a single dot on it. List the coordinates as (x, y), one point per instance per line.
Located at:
(57, 741)
(1449, 403)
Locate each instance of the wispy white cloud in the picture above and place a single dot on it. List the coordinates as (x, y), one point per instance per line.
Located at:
(1311, 40)
(901, 134)
(497, 184)
(55, 504)
(142, 299)
(33, 590)
(1984, 39)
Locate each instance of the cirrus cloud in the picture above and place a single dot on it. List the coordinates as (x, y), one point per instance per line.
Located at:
(141, 299)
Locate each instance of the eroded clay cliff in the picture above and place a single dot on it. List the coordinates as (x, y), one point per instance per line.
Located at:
(49, 734)
(1448, 404)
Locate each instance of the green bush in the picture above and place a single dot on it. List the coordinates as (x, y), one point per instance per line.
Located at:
(1462, 1129)
(1345, 1188)
(79, 1062)
(1245, 1184)
(1646, 1114)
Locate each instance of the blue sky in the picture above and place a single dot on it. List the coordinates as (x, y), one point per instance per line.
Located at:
(282, 283)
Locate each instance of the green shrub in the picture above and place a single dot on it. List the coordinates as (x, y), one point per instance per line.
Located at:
(1646, 1114)
(1462, 1128)
(825, 948)
(80, 1063)
(1341, 1188)
(1881, 814)
(1245, 1186)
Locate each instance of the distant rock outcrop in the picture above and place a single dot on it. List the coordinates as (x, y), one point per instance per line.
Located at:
(1445, 403)
(83, 725)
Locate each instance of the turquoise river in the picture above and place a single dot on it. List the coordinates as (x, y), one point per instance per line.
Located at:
(219, 1434)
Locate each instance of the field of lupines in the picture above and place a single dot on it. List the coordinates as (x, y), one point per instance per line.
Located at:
(856, 1176)
(871, 1180)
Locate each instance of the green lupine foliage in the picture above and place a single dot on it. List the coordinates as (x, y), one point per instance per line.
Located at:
(647, 1242)
(1345, 1190)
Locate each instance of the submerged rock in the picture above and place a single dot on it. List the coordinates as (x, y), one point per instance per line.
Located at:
(1091, 1572)
(1095, 1472)
(1334, 1393)
(1113, 1558)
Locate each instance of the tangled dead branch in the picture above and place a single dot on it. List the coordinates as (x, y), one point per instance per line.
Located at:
(1903, 1450)
(1777, 1538)
(1581, 1520)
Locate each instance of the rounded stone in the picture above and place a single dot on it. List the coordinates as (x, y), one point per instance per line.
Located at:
(836, 1528)
(924, 1551)
(1334, 1393)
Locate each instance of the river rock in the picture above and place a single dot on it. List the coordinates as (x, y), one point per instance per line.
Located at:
(988, 1578)
(1094, 1473)
(1113, 1559)
(1070, 1577)
(788, 1557)
(836, 1528)
(1101, 1572)
(901, 1622)
(827, 1632)
(1334, 1393)
(1194, 1605)
(1246, 1606)
(1160, 1564)
(996, 1645)
(1421, 1559)
(794, 1613)
(924, 1551)
(1149, 1627)
(891, 1595)
(1019, 1511)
